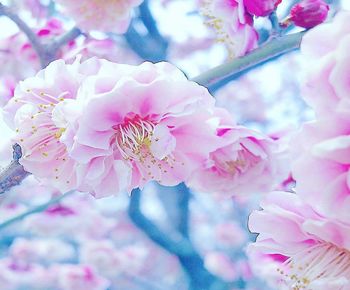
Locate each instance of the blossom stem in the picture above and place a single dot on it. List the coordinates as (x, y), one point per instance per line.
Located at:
(37, 209)
(236, 67)
(276, 28)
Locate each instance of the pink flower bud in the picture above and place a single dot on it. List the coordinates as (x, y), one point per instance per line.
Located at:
(309, 13)
(261, 7)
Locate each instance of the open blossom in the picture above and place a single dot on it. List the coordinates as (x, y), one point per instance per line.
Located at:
(321, 165)
(261, 7)
(139, 123)
(326, 48)
(106, 15)
(233, 25)
(314, 250)
(245, 163)
(30, 113)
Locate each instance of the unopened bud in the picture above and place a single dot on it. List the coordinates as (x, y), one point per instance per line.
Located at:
(309, 13)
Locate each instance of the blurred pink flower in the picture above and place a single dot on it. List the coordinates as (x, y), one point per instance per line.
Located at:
(245, 163)
(261, 7)
(112, 50)
(106, 16)
(36, 250)
(15, 275)
(314, 250)
(229, 234)
(139, 123)
(79, 277)
(220, 265)
(19, 60)
(103, 256)
(233, 24)
(326, 48)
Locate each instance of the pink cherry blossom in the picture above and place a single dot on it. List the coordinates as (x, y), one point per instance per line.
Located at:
(321, 165)
(245, 163)
(106, 16)
(314, 249)
(326, 48)
(261, 7)
(30, 113)
(143, 123)
(233, 25)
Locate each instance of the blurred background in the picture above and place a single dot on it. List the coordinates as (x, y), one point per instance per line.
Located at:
(166, 238)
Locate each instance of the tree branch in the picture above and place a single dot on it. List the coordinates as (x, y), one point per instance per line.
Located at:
(269, 51)
(32, 37)
(180, 247)
(191, 261)
(184, 196)
(153, 46)
(13, 174)
(46, 52)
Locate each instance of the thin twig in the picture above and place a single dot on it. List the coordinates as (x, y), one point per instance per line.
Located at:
(269, 51)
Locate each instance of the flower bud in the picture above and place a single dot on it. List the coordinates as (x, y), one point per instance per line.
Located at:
(261, 7)
(309, 13)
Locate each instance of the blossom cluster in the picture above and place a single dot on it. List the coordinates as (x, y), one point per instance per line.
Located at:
(306, 234)
(233, 20)
(104, 128)
(82, 243)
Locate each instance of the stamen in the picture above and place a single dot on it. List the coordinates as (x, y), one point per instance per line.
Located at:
(321, 261)
(134, 137)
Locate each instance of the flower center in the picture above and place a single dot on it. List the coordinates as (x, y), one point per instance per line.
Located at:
(243, 161)
(133, 139)
(321, 261)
